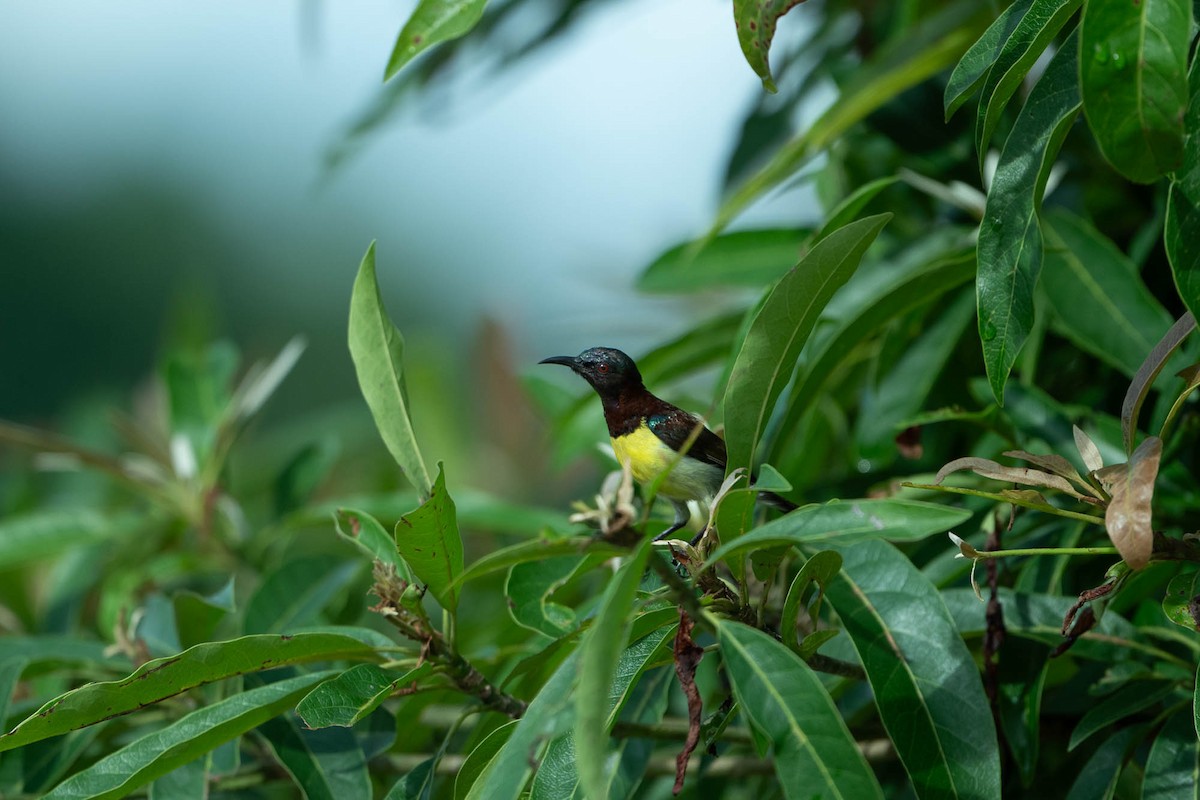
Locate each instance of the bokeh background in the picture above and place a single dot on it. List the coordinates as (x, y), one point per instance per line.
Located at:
(182, 173)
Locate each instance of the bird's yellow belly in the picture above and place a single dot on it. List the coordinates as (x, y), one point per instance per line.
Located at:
(648, 458)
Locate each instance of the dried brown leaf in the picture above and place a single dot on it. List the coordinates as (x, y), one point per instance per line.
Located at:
(1128, 517)
(1087, 450)
(687, 658)
(1023, 475)
(1051, 462)
(1139, 387)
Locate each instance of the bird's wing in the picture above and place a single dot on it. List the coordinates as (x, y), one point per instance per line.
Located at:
(673, 426)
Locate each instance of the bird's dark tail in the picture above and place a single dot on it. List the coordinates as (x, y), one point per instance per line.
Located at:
(782, 503)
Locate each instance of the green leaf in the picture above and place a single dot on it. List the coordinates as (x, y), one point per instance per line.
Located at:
(1098, 778)
(416, 785)
(294, 593)
(42, 535)
(818, 570)
(973, 67)
(432, 22)
(1104, 306)
(1174, 761)
(1133, 72)
(1125, 702)
(1023, 46)
(326, 765)
(550, 711)
(197, 616)
(901, 393)
(166, 677)
(755, 22)
(848, 209)
(182, 783)
(743, 258)
(10, 672)
(156, 754)
(599, 654)
(529, 587)
(478, 759)
(846, 521)
(1010, 239)
(914, 55)
(354, 694)
(767, 358)
(533, 550)
(57, 648)
(1022, 682)
(926, 685)
(371, 537)
(814, 754)
(1181, 229)
(888, 301)
(1181, 603)
(377, 349)
(430, 543)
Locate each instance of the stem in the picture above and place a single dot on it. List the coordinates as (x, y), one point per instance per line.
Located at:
(984, 555)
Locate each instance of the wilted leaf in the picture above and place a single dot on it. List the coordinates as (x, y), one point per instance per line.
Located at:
(1128, 517)
(1051, 462)
(1139, 387)
(1087, 450)
(1023, 475)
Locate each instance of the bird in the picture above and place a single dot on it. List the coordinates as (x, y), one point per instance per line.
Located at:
(648, 433)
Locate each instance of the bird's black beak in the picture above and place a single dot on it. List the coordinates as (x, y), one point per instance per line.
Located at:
(566, 361)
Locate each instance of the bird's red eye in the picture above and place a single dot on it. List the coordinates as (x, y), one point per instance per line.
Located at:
(602, 368)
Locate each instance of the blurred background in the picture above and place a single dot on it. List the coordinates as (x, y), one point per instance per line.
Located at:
(177, 174)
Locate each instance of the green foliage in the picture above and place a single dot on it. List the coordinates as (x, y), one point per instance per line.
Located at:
(204, 624)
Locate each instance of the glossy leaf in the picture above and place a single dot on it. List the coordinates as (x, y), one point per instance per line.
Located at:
(1133, 69)
(294, 593)
(1098, 778)
(599, 654)
(534, 550)
(166, 677)
(479, 757)
(1174, 761)
(1027, 41)
(371, 537)
(1102, 303)
(377, 349)
(1128, 516)
(432, 22)
(429, 541)
(926, 685)
(351, 696)
(819, 570)
(846, 521)
(814, 754)
(326, 764)
(767, 358)
(1181, 602)
(1125, 702)
(1143, 379)
(529, 587)
(932, 45)
(1010, 239)
(185, 782)
(156, 754)
(1181, 228)
(742, 258)
(971, 70)
(549, 712)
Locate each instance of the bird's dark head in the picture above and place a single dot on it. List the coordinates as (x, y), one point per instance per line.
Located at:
(606, 369)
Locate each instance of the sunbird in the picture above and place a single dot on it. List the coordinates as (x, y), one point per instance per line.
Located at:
(648, 433)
